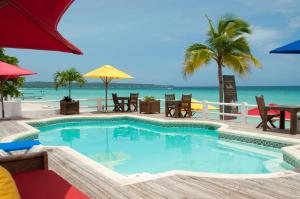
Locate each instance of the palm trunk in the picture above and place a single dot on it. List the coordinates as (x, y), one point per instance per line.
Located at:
(70, 90)
(220, 77)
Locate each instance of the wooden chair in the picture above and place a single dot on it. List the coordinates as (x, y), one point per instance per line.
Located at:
(169, 105)
(186, 105)
(261, 105)
(133, 102)
(118, 107)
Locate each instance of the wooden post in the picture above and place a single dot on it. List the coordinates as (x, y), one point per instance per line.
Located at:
(282, 120)
(294, 122)
(264, 117)
(2, 97)
(244, 112)
(205, 109)
(99, 104)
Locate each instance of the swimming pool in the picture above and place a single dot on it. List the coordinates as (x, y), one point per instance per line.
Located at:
(131, 146)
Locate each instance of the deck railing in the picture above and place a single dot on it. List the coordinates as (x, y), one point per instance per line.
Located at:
(243, 108)
(98, 104)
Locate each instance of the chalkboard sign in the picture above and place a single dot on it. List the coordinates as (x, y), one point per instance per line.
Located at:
(230, 96)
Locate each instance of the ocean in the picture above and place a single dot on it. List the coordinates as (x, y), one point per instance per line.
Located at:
(274, 94)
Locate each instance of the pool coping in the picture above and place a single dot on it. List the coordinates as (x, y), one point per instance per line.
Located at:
(291, 152)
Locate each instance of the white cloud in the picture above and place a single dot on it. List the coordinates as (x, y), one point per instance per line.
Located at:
(277, 6)
(264, 38)
(294, 23)
(286, 6)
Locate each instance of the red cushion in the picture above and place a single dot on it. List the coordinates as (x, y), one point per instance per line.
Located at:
(45, 184)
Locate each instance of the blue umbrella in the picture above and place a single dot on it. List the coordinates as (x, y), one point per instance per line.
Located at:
(292, 48)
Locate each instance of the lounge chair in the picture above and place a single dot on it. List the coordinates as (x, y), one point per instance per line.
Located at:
(169, 105)
(270, 116)
(133, 102)
(33, 180)
(186, 101)
(18, 145)
(118, 107)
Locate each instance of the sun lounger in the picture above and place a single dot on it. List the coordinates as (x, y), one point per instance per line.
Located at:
(18, 145)
(34, 180)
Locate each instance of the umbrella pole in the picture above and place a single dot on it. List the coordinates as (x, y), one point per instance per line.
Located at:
(106, 81)
(2, 101)
(106, 85)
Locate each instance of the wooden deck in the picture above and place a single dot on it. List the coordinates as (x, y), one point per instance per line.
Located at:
(97, 185)
(9, 127)
(178, 186)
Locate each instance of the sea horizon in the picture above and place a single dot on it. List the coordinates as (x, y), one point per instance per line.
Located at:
(273, 94)
(47, 84)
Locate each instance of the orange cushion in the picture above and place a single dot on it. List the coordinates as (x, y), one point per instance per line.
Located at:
(8, 188)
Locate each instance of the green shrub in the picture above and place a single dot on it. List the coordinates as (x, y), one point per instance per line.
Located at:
(149, 98)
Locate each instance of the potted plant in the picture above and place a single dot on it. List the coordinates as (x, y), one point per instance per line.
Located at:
(10, 88)
(65, 78)
(149, 105)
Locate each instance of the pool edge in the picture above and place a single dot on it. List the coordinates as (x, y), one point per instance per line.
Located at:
(291, 152)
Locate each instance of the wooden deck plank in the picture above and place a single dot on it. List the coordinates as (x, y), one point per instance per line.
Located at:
(213, 189)
(10, 127)
(84, 177)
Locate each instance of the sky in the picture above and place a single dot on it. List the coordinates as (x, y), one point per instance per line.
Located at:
(147, 39)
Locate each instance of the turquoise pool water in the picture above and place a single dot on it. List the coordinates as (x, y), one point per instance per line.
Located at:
(130, 146)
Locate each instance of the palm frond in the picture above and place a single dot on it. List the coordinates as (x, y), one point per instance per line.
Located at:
(240, 45)
(238, 64)
(211, 33)
(255, 61)
(196, 56)
(64, 78)
(226, 44)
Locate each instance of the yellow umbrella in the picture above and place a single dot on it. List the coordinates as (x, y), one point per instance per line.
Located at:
(107, 73)
(199, 107)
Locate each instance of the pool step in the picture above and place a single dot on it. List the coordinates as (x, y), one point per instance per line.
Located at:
(275, 165)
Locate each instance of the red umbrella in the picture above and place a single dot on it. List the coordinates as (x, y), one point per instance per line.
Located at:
(255, 111)
(8, 71)
(32, 24)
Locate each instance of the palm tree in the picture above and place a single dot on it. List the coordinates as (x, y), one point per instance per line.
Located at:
(227, 46)
(65, 79)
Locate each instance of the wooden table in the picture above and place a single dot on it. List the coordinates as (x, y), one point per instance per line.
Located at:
(177, 104)
(282, 108)
(123, 99)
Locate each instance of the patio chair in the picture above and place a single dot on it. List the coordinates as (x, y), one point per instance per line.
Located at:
(118, 107)
(169, 105)
(186, 101)
(133, 102)
(270, 116)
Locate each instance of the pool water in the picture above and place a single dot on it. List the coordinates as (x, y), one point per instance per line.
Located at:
(129, 147)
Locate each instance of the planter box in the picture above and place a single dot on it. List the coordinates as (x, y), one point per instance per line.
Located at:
(149, 107)
(69, 108)
(12, 109)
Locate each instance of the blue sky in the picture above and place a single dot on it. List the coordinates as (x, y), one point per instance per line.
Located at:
(147, 39)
